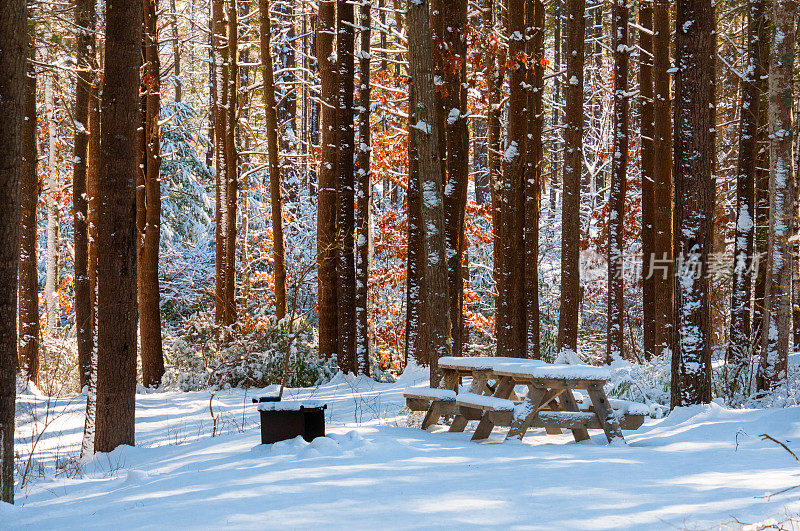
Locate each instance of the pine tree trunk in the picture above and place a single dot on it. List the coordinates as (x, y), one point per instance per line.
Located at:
(363, 194)
(648, 177)
(661, 262)
(286, 107)
(275, 191)
(345, 265)
(116, 260)
(494, 87)
(85, 54)
(573, 162)
(534, 16)
(777, 300)
(148, 207)
(51, 201)
(176, 53)
(416, 321)
(435, 302)
(694, 202)
(231, 163)
(220, 91)
(457, 142)
(615, 344)
(326, 184)
(13, 35)
(511, 324)
(739, 348)
(28, 261)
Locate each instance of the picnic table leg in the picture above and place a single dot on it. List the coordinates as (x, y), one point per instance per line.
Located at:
(450, 380)
(605, 413)
(531, 406)
(480, 380)
(503, 389)
(433, 415)
(568, 400)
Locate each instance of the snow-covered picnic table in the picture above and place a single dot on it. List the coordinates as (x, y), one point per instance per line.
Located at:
(550, 402)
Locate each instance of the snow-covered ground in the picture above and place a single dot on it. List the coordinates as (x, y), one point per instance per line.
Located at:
(701, 467)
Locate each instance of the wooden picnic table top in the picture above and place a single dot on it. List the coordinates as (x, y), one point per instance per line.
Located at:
(524, 369)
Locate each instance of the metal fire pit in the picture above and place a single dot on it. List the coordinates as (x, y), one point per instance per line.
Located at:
(282, 420)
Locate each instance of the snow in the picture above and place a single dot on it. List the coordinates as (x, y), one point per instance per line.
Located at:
(480, 362)
(446, 395)
(290, 405)
(700, 467)
(472, 399)
(556, 371)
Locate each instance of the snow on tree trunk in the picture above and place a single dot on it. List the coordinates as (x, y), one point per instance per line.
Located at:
(648, 178)
(363, 194)
(51, 200)
(694, 202)
(435, 305)
(740, 329)
(345, 264)
(781, 191)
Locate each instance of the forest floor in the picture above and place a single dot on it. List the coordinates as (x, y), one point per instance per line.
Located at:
(700, 468)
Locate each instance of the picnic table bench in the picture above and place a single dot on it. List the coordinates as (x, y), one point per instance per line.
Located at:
(550, 402)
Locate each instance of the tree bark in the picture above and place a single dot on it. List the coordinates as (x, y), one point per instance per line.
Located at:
(116, 261)
(739, 348)
(51, 202)
(85, 55)
(220, 90)
(615, 344)
(345, 265)
(231, 163)
(694, 202)
(363, 193)
(511, 324)
(534, 16)
(148, 205)
(457, 162)
(435, 302)
(275, 191)
(777, 300)
(648, 178)
(661, 263)
(326, 181)
(13, 35)
(28, 261)
(573, 161)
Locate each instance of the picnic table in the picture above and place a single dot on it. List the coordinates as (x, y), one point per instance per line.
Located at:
(554, 398)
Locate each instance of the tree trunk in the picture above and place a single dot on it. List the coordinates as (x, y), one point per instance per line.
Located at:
(116, 261)
(511, 324)
(648, 178)
(416, 320)
(148, 205)
(28, 261)
(573, 162)
(534, 16)
(494, 87)
(176, 53)
(435, 302)
(740, 331)
(345, 265)
(777, 300)
(231, 163)
(275, 191)
(694, 202)
(615, 344)
(457, 142)
(220, 90)
(661, 262)
(13, 35)
(326, 182)
(85, 55)
(363, 194)
(51, 201)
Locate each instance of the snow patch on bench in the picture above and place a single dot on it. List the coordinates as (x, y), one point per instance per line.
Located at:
(535, 369)
(477, 363)
(484, 402)
(445, 395)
